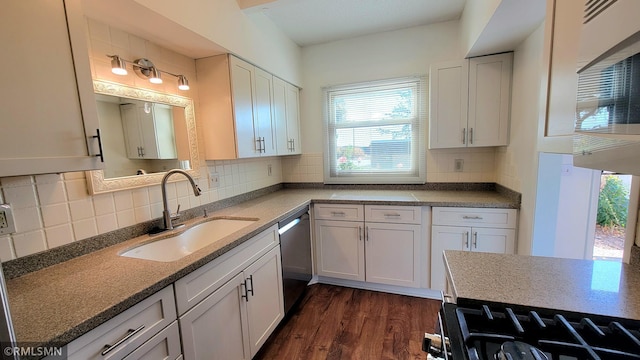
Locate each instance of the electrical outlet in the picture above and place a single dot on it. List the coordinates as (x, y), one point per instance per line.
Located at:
(214, 180)
(269, 170)
(458, 165)
(7, 225)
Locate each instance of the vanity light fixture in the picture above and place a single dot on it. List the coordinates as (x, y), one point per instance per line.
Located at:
(145, 69)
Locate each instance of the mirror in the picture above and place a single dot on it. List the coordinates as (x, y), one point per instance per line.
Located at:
(144, 133)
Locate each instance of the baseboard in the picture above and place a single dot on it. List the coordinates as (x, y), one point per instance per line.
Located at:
(417, 292)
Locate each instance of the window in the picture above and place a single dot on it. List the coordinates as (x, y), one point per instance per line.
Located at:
(375, 132)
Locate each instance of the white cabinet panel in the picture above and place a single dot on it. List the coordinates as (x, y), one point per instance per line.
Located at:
(469, 229)
(489, 99)
(393, 254)
(265, 301)
(236, 108)
(165, 345)
(286, 117)
(448, 92)
(217, 328)
(382, 247)
(136, 325)
(47, 107)
(340, 249)
(470, 102)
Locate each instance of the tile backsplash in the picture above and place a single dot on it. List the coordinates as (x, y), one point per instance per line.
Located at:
(56, 209)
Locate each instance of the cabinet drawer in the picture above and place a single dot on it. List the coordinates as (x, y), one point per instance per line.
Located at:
(199, 284)
(344, 212)
(163, 346)
(393, 214)
(127, 331)
(478, 217)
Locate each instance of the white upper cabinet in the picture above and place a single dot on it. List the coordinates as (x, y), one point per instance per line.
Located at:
(287, 117)
(148, 132)
(470, 102)
(236, 108)
(47, 107)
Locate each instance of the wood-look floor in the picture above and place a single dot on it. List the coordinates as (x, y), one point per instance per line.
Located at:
(333, 322)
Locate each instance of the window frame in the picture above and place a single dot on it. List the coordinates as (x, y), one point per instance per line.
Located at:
(418, 138)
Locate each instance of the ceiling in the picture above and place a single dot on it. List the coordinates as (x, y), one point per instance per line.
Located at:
(310, 22)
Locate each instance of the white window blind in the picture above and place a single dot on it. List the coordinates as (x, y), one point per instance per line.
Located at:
(375, 132)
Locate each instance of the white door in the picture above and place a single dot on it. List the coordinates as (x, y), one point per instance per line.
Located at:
(242, 88)
(448, 96)
(265, 302)
(489, 100)
(501, 241)
(340, 249)
(393, 254)
(217, 327)
(445, 238)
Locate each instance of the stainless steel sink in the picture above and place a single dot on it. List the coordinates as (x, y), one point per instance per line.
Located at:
(190, 240)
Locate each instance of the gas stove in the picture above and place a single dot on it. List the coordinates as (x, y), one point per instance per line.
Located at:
(480, 331)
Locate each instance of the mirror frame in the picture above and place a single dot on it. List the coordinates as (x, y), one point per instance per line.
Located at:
(96, 182)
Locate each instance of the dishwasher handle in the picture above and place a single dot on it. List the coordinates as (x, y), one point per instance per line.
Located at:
(288, 226)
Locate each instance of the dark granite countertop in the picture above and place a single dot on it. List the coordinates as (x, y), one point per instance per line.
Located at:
(64, 301)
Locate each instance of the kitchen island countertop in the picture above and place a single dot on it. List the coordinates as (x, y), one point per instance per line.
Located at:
(62, 302)
(599, 287)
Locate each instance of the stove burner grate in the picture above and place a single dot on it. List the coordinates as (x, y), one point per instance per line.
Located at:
(560, 336)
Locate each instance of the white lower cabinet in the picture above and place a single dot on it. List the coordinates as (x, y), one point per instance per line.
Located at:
(469, 229)
(235, 319)
(143, 331)
(383, 251)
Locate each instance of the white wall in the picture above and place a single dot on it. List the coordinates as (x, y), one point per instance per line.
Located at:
(517, 163)
(253, 37)
(380, 56)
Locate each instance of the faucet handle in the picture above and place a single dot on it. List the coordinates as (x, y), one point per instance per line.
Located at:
(177, 214)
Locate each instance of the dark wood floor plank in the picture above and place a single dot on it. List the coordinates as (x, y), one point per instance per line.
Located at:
(333, 322)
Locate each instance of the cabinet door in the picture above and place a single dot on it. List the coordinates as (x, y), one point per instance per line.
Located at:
(340, 249)
(445, 238)
(47, 107)
(500, 241)
(280, 116)
(489, 99)
(263, 119)
(165, 345)
(242, 88)
(286, 117)
(217, 327)
(131, 128)
(393, 254)
(448, 97)
(158, 128)
(265, 302)
(293, 118)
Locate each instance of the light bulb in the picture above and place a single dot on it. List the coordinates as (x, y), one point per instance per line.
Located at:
(155, 76)
(183, 83)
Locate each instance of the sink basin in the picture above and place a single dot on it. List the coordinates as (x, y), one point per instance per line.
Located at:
(375, 197)
(192, 239)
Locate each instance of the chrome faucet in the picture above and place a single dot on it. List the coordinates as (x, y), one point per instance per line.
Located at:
(165, 213)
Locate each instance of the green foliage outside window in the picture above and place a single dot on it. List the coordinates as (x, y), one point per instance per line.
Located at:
(612, 203)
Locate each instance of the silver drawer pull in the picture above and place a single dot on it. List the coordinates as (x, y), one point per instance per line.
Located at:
(108, 348)
(467, 217)
(392, 215)
(338, 213)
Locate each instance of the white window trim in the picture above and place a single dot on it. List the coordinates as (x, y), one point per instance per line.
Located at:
(418, 140)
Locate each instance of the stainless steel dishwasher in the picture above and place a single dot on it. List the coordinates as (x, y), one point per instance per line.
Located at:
(295, 247)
